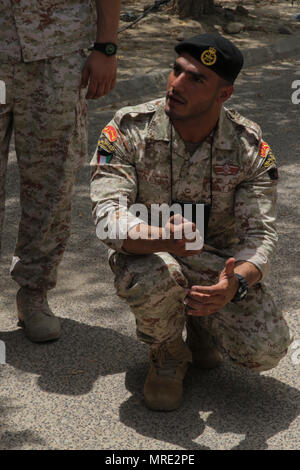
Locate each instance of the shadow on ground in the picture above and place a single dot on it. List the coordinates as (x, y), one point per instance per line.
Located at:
(253, 406)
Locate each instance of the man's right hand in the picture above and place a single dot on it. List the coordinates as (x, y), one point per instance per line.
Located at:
(179, 237)
(182, 237)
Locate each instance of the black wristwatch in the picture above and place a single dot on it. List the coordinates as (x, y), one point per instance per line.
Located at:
(242, 290)
(108, 48)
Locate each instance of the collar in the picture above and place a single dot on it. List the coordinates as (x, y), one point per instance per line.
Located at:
(160, 126)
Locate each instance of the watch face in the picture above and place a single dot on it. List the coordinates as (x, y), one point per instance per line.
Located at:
(110, 49)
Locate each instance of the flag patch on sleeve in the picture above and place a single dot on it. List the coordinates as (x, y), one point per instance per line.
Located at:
(105, 151)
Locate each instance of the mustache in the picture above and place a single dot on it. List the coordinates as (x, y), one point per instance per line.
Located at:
(176, 96)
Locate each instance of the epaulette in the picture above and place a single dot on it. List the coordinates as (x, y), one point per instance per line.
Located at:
(245, 123)
(135, 111)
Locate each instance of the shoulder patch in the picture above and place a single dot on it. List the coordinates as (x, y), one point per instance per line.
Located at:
(264, 148)
(111, 133)
(135, 111)
(105, 146)
(269, 160)
(266, 153)
(105, 150)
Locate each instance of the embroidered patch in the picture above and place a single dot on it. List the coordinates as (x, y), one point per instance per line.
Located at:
(102, 158)
(104, 144)
(226, 169)
(269, 160)
(264, 148)
(209, 56)
(111, 133)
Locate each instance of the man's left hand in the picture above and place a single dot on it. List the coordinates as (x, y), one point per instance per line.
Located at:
(100, 73)
(205, 300)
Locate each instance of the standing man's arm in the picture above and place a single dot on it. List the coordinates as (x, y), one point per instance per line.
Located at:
(100, 71)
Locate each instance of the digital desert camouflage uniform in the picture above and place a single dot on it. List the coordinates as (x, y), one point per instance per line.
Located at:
(42, 54)
(133, 161)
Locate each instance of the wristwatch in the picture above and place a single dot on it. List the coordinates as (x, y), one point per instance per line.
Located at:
(242, 290)
(108, 48)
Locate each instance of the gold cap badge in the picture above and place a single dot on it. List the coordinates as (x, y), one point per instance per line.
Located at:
(209, 56)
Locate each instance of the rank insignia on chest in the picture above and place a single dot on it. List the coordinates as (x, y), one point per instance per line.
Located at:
(226, 169)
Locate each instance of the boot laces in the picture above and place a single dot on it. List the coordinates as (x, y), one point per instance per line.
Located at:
(165, 364)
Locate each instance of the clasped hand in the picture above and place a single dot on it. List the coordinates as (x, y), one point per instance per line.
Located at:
(182, 237)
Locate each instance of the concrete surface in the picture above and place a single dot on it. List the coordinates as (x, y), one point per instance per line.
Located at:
(85, 391)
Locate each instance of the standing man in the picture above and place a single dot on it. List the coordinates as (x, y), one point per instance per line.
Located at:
(48, 77)
(186, 149)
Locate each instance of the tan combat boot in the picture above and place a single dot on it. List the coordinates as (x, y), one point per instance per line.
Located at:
(35, 316)
(205, 354)
(163, 386)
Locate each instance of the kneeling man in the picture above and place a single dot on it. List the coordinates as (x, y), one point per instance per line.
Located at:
(184, 149)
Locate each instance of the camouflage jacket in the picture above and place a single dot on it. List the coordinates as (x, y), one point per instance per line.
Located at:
(40, 29)
(132, 161)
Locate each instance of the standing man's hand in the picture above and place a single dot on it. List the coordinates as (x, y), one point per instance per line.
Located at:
(100, 70)
(100, 74)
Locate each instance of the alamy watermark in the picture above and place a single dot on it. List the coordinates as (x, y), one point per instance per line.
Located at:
(2, 92)
(2, 353)
(118, 219)
(296, 94)
(295, 356)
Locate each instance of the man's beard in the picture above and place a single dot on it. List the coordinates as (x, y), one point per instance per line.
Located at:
(193, 116)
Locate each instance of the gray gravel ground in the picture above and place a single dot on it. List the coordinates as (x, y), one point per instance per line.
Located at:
(85, 391)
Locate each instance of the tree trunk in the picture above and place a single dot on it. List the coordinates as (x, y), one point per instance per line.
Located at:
(194, 8)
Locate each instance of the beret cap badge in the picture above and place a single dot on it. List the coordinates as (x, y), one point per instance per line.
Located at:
(209, 56)
(215, 52)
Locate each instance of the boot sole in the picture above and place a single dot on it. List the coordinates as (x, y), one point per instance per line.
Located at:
(46, 339)
(162, 408)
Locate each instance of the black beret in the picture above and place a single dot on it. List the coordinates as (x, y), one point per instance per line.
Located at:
(215, 52)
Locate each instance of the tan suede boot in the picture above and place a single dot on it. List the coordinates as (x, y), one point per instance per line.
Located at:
(35, 316)
(163, 386)
(205, 354)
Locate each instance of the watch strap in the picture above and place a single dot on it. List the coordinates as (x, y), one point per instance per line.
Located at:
(242, 289)
(108, 48)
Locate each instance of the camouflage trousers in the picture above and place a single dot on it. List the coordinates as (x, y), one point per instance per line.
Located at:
(46, 111)
(252, 332)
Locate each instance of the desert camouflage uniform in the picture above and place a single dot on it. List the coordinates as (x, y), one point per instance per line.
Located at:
(42, 53)
(135, 151)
